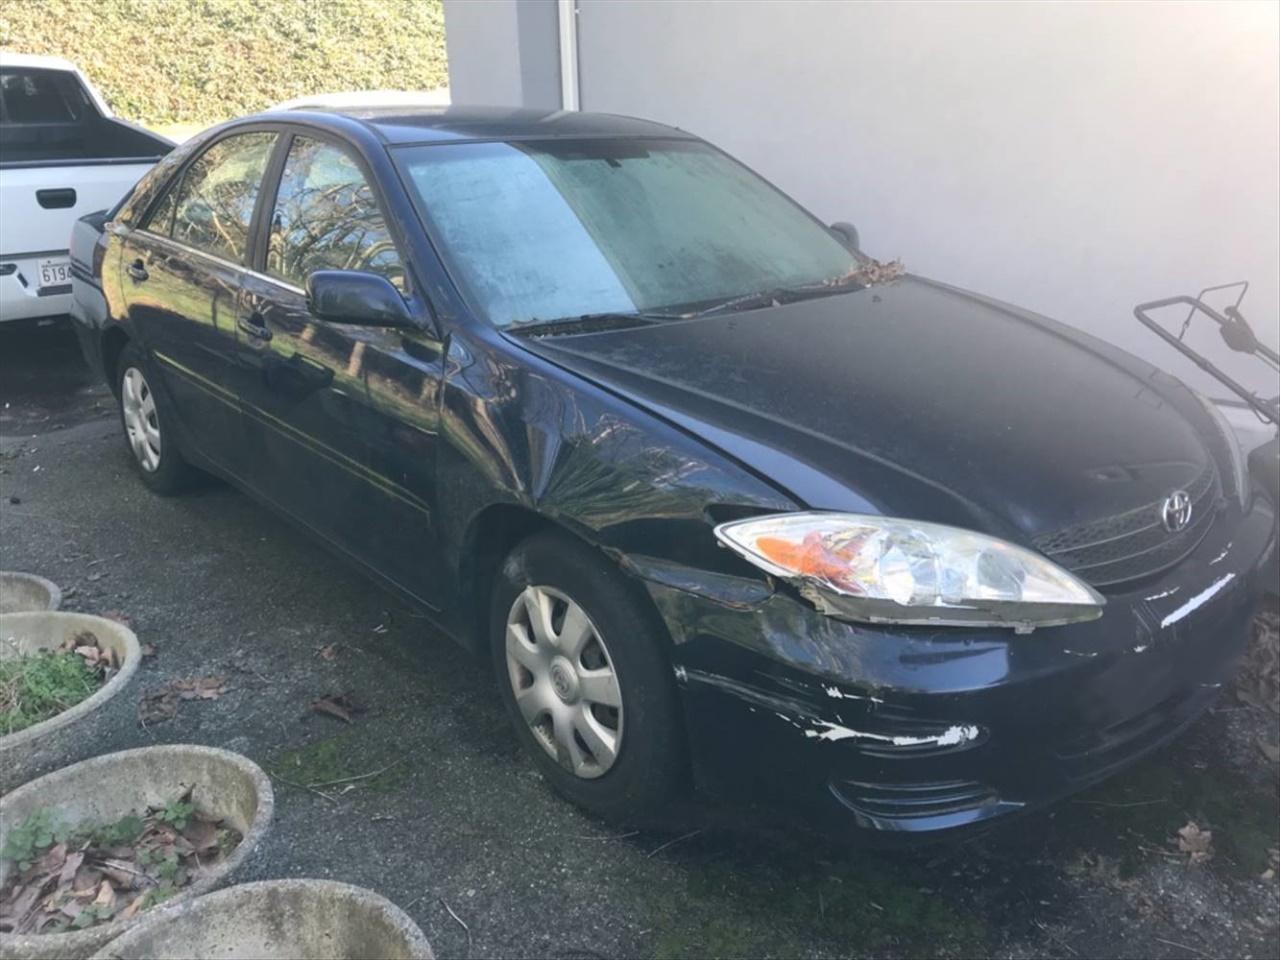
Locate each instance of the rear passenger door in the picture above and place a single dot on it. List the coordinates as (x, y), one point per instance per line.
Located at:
(309, 415)
(181, 274)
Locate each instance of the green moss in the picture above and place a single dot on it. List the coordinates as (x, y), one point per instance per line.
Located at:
(339, 758)
(779, 907)
(320, 762)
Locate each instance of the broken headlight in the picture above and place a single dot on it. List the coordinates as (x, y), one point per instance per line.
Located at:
(884, 570)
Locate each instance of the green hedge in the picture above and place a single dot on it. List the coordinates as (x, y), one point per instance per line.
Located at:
(162, 62)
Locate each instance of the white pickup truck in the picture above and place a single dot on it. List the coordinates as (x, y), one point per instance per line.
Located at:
(63, 154)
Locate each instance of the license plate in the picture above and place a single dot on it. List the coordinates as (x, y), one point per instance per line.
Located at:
(55, 273)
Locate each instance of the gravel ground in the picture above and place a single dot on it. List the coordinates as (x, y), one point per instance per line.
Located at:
(457, 828)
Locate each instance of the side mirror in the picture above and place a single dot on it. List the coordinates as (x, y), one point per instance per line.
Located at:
(847, 234)
(364, 299)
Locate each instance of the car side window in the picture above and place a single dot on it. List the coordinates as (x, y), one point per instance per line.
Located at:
(212, 206)
(39, 96)
(160, 219)
(326, 218)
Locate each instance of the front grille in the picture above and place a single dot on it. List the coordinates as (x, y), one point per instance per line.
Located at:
(1135, 544)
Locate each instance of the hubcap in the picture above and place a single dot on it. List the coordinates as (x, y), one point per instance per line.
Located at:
(140, 420)
(564, 681)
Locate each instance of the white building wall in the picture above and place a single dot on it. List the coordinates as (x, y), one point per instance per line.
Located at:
(503, 52)
(1074, 158)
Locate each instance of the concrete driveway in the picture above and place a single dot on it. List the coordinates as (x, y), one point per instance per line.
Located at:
(426, 799)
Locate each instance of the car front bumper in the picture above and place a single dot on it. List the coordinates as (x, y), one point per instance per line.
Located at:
(899, 734)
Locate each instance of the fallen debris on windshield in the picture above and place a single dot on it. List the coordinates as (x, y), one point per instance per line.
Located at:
(874, 272)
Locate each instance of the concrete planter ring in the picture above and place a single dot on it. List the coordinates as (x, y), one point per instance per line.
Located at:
(275, 920)
(26, 593)
(77, 733)
(102, 790)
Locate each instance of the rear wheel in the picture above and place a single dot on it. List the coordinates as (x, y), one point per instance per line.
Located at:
(147, 427)
(586, 678)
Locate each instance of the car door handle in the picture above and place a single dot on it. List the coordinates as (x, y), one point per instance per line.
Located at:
(137, 271)
(254, 326)
(57, 199)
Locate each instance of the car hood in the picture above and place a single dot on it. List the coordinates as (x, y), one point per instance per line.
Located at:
(911, 399)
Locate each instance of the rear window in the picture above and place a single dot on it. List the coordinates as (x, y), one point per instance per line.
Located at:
(40, 96)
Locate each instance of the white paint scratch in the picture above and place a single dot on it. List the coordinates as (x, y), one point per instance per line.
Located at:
(837, 694)
(1168, 593)
(1079, 653)
(951, 737)
(1221, 556)
(1141, 647)
(1198, 600)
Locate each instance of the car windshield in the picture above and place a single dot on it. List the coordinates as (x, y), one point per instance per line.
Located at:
(549, 230)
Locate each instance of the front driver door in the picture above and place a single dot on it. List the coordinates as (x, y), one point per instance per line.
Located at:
(181, 275)
(309, 414)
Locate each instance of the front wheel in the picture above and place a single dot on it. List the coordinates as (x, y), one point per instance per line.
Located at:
(147, 427)
(586, 678)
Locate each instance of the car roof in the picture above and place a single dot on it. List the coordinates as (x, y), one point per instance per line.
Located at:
(400, 124)
(355, 99)
(34, 61)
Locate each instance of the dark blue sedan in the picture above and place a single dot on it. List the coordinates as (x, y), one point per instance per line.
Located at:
(726, 502)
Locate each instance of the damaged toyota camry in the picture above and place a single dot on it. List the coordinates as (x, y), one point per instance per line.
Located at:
(727, 503)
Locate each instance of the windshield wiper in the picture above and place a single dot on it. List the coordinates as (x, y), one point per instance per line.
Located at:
(776, 296)
(587, 323)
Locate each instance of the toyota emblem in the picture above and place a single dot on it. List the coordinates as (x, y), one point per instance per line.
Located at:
(1175, 514)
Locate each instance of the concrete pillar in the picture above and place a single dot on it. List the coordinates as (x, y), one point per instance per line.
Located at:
(503, 52)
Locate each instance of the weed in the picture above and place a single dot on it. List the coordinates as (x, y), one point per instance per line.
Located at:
(34, 835)
(176, 813)
(37, 686)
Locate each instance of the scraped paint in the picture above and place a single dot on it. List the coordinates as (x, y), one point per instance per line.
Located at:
(951, 737)
(1221, 556)
(837, 694)
(1168, 593)
(1198, 600)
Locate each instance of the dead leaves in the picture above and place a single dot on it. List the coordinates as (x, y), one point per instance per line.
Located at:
(873, 272)
(1258, 683)
(103, 661)
(1273, 864)
(70, 880)
(1195, 842)
(329, 652)
(338, 705)
(869, 273)
(155, 706)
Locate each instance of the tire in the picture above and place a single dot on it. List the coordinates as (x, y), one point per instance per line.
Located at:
(148, 428)
(564, 685)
